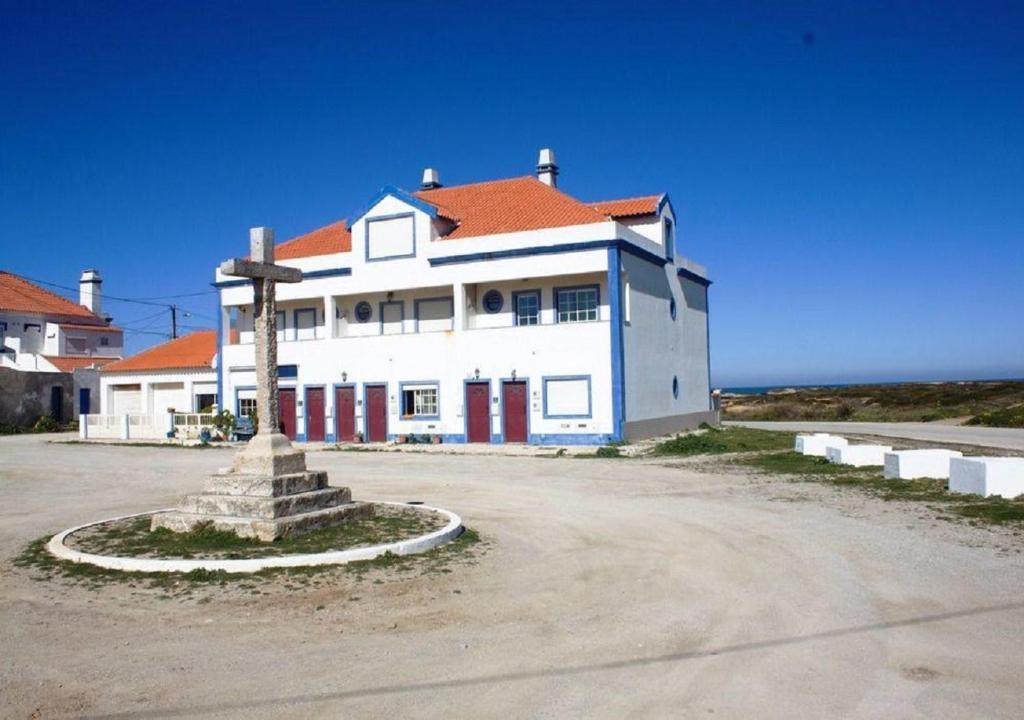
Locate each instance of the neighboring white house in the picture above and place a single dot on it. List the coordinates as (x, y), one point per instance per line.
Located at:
(50, 349)
(502, 311)
(176, 376)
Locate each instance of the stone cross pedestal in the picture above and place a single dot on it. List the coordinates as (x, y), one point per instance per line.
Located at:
(268, 493)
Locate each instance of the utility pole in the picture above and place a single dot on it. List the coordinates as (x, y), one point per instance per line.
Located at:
(174, 322)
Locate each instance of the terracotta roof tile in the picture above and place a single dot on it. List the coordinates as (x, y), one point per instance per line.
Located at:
(19, 295)
(628, 207)
(67, 364)
(83, 326)
(193, 351)
(330, 239)
(506, 206)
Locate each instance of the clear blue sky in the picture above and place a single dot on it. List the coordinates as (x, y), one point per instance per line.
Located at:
(851, 173)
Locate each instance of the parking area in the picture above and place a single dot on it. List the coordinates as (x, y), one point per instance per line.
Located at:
(606, 588)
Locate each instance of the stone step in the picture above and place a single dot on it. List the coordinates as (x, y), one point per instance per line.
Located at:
(265, 529)
(262, 507)
(264, 485)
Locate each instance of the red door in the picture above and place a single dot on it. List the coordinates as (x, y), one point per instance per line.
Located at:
(478, 412)
(376, 413)
(513, 405)
(345, 413)
(314, 414)
(286, 406)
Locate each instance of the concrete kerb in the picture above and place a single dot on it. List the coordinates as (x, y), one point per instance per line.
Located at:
(411, 546)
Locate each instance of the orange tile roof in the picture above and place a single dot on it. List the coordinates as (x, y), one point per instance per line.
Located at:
(19, 295)
(628, 207)
(333, 238)
(68, 364)
(193, 351)
(81, 326)
(505, 206)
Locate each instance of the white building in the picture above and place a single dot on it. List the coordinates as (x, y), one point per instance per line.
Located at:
(503, 311)
(50, 349)
(177, 376)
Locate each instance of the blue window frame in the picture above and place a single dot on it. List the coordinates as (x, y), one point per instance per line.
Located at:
(420, 400)
(577, 304)
(493, 301)
(670, 238)
(376, 257)
(568, 390)
(307, 331)
(527, 307)
(672, 308)
(675, 387)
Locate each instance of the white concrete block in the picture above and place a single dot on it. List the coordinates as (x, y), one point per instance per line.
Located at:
(911, 464)
(815, 444)
(987, 476)
(857, 455)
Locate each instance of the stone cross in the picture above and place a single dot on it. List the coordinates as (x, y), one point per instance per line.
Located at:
(265, 275)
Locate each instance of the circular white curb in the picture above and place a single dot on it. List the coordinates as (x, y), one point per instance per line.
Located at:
(411, 546)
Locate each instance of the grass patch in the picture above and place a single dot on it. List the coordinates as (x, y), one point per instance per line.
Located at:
(1011, 417)
(993, 510)
(716, 441)
(132, 537)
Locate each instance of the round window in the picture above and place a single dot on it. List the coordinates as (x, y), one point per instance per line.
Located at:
(493, 301)
(675, 387)
(364, 312)
(672, 308)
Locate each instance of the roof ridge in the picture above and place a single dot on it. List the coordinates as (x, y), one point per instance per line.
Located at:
(625, 199)
(52, 294)
(418, 193)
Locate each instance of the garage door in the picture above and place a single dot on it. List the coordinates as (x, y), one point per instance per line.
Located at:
(125, 399)
(170, 395)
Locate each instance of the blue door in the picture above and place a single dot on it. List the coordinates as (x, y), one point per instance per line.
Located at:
(83, 401)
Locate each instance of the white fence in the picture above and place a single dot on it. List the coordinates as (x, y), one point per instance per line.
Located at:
(161, 426)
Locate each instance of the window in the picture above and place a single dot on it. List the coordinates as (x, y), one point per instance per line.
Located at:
(364, 312)
(527, 308)
(206, 400)
(493, 301)
(672, 308)
(390, 237)
(434, 314)
(76, 346)
(281, 325)
(392, 317)
(675, 387)
(419, 401)
(576, 304)
(246, 407)
(567, 397)
(104, 341)
(305, 324)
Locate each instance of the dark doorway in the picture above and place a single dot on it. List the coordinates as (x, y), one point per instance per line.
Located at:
(57, 403)
(84, 401)
(478, 412)
(315, 414)
(513, 410)
(376, 413)
(286, 406)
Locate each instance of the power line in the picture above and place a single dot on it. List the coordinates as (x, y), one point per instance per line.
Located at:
(138, 301)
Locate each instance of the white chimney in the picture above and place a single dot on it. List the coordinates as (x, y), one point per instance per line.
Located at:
(431, 179)
(547, 170)
(90, 290)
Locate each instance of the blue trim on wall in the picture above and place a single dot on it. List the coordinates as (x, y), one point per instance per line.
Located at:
(366, 409)
(329, 272)
(401, 305)
(623, 245)
(572, 439)
(220, 353)
(465, 406)
(287, 371)
(516, 294)
(589, 286)
(544, 401)
(381, 218)
(617, 343)
(690, 275)
(231, 283)
(707, 338)
(401, 399)
(398, 193)
(416, 309)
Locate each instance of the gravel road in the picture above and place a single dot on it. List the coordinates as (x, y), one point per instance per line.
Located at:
(609, 589)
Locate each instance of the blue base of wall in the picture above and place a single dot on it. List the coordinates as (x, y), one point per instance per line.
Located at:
(553, 439)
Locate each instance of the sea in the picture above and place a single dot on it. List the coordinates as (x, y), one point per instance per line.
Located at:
(763, 389)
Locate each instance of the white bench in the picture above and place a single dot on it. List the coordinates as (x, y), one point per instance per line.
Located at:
(815, 444)
(987, 476)
(857, 455)
(911, 464)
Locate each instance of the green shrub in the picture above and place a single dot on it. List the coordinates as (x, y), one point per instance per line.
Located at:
(1012, 417)
(7, 428)
(609, 451)
(727, 440)
(46, 424)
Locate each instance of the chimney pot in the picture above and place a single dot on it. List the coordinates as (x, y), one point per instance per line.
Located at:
(547, 169)
(90, 290)
(431, 179)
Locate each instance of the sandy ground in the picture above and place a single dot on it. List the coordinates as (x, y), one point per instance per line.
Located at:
(609, 589)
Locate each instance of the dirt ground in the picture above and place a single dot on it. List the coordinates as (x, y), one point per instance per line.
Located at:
(604, 589)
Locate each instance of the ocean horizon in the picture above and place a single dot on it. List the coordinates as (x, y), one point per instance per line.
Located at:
(762, 389)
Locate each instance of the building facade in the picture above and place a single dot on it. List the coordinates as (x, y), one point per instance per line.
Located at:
(51, 349)
(503, 311)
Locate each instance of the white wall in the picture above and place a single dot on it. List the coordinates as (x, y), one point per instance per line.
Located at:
(158, 389)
